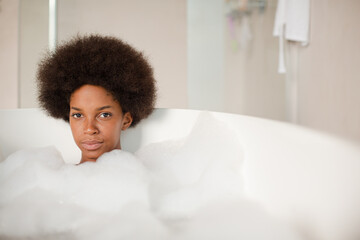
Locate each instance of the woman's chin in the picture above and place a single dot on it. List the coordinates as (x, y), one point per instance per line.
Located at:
(90, 155)
(93, 155)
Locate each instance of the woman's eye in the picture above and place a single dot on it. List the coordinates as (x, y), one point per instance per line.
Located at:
(105, 115)
(76, 115)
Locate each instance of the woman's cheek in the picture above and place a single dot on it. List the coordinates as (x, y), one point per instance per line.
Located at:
(76, 131)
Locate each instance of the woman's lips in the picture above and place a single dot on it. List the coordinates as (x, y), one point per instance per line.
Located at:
(91, 145)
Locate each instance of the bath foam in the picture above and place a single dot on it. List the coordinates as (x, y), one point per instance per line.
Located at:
(22, 171)
(234, 219)
(189, 188)
(41, 196)
(187, 173)
(196, 187)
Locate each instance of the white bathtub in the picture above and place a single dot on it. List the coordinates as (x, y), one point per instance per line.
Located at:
(308, 178)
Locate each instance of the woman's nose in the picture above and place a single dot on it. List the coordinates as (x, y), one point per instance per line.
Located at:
(90, 127)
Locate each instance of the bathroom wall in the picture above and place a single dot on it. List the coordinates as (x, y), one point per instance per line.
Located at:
(9, 53)
(232, 59)
(329, 69)
(156, 27)
(33, 44)
(23, 40)
(206, 58)
(252, 85)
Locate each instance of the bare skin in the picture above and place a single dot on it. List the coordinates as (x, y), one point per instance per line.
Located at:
(96, 121)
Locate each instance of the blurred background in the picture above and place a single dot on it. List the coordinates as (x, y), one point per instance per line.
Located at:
(218, 55)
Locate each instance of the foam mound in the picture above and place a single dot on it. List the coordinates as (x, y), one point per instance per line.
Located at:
(190, 188)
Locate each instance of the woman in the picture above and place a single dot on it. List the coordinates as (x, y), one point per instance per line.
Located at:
(176, 189)
(101, 86)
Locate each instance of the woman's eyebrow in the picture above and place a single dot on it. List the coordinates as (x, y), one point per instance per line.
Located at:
(98, 109)
(75, 108)
(104, 107)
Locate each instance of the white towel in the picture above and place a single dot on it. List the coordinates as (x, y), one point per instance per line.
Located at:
(292, 22)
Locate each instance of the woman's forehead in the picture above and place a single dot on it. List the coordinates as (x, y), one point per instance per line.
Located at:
(92, 96)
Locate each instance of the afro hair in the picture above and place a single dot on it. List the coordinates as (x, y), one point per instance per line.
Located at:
(101, 61)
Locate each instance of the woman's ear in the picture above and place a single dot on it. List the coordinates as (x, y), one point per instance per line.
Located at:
(127, 120)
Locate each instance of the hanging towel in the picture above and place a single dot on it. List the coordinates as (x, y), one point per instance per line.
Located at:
(292, 22)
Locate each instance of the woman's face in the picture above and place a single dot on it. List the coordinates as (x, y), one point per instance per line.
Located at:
(96, 121)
